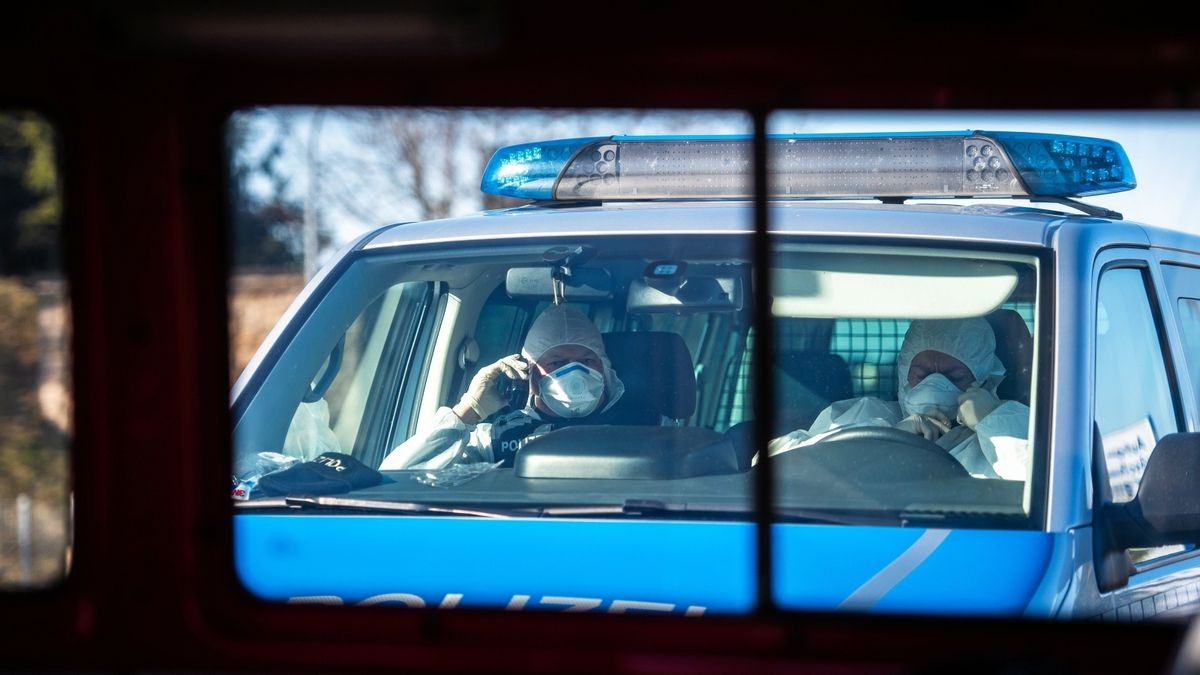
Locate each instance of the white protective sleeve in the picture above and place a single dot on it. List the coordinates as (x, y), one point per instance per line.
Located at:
(999, 447)
(447, 440)
(1003, 438)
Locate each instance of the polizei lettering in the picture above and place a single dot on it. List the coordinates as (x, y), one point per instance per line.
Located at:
(561, 603)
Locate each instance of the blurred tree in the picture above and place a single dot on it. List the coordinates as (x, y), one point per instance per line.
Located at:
(345, 171)
(268, 220)
(422, 164)
(30, 205)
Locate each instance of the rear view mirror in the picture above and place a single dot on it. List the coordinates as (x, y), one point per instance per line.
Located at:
(581, 284)
(692, 294)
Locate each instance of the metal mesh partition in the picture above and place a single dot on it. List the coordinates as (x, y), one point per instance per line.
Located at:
(869, 347)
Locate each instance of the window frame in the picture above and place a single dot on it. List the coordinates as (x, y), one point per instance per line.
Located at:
(157, 327)
(394, 400)
(1174, 269)
(1043, 375)
(1152, 285)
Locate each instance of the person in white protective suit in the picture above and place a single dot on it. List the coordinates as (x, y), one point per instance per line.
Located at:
(571, 381)
(948, 373)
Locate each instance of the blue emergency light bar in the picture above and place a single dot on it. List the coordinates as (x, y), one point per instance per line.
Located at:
(933, 164)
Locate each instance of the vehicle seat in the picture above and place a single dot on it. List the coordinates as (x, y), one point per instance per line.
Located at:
(1014, 348)
(824, 377)
(827, 375)
(657, 367)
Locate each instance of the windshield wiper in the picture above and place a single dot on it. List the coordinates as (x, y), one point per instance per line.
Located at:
(381, 506)
(630, 508)
(782, 515)
(654, 507)
(870, 518)
(647, 507)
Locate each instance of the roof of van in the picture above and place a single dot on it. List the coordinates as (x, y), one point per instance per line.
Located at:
(971, 222)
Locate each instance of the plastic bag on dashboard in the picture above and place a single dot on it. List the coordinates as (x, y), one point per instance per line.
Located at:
(309, 436)
(455, 474)
(266, 463)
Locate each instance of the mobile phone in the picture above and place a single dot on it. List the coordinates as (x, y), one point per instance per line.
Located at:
(515, 392)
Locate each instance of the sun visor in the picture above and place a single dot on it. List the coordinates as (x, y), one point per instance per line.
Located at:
(886, 286)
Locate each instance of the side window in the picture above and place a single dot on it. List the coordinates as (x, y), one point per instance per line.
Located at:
(500, 330)
(1183, 283)
(1189, 328)
(735, 405)
(1134, 406)
(360, 379)
(702, 333)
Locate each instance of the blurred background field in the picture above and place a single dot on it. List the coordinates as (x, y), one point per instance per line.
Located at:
(35, 410)
(256, 301)
(35, 413)
(35, 365)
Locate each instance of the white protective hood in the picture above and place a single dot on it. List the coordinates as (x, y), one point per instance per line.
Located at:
(561, 325)
(971, 341)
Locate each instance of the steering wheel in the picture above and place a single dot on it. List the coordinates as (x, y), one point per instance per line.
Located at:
(885, 435)
(880, 454)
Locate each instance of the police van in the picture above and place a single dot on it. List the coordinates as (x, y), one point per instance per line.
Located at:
(973, 407)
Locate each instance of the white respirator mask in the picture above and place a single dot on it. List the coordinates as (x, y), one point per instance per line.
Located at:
(935, 392)
(572, 391)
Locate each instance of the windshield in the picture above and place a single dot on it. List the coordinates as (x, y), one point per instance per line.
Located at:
(613, 376)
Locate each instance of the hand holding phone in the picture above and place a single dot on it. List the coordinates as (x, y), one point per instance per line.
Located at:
(489, 390)
(515, 391)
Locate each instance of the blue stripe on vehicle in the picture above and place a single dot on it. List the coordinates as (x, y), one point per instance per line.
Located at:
(993, 572)
(980, 572)
(819, 566)
(878, 586)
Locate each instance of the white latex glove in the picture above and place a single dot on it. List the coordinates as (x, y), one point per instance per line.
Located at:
(975, 404)
(930, 425)
(484, 395)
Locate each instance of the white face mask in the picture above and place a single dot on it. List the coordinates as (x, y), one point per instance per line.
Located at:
(935, 392)
(572, 391)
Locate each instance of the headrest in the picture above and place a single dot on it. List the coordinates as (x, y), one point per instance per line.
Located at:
(1014, 348)
(656, 366)
(825, 374)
